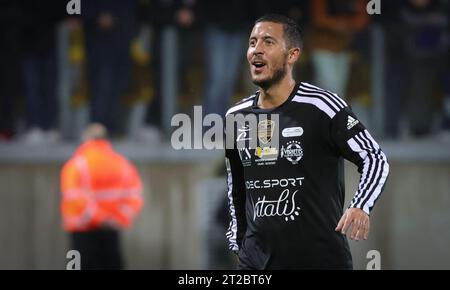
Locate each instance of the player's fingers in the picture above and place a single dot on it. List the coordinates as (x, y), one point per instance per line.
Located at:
(366, 230)
(362, 232)
(340, 223)
(356, 225)
(358, 235)
(362, 229)
(346, 224)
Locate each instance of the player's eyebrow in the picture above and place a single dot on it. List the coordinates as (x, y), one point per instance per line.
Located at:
(268, 37)
(264, 38)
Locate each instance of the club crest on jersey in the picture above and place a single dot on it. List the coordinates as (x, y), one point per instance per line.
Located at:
(265, 131)
(293, 152)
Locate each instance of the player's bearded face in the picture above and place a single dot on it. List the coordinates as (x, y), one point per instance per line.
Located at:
(274, 73)
(267, 54)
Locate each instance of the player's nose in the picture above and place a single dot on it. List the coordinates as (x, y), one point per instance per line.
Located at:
(258, 48)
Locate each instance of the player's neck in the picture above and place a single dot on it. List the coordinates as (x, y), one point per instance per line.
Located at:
(276, 94)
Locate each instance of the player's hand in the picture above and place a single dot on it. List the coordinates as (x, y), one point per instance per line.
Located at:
(359, 220)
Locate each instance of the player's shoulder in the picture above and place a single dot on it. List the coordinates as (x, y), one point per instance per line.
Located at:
(321, 99)
(242, 104)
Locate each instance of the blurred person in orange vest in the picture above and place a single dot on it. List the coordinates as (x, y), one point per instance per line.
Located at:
(101, 195)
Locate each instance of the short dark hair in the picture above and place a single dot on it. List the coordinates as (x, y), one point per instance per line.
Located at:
(291, 30)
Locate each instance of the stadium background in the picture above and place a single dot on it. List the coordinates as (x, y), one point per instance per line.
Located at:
(182, 225)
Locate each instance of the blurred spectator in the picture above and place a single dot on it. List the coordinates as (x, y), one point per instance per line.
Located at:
(225, 46)
(39, 20)
(188, 21)
(109, 29)
(101, 194)
(395, 72)
(424, 23)
(163, 16)
(10, 19)
(335, 23)
(446, 107)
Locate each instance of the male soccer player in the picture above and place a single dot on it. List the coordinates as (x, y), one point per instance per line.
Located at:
(286, 203)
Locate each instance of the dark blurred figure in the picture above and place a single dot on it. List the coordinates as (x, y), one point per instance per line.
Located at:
(101, 196)
(415, 48)
(109, 29)
(39, 21)
(395, 71)
(225, 39)
(163, 15)
(10, 19)
(446, 105)
(424, 23)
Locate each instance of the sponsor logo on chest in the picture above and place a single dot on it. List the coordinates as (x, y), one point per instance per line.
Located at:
(293, 152)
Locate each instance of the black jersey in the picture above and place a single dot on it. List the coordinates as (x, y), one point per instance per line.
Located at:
(285, 202)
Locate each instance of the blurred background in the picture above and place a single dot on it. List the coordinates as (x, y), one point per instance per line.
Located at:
(132, 65)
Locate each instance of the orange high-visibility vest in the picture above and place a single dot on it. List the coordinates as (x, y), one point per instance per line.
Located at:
(99, 187)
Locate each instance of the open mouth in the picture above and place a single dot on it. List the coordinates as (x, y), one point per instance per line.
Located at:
(259, 65)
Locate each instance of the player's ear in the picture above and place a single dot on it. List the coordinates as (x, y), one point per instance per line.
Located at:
(294, 54)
